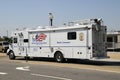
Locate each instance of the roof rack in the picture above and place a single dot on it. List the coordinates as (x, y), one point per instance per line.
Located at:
(86, 22)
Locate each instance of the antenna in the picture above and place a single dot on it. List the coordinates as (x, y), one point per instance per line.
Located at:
(51, 19)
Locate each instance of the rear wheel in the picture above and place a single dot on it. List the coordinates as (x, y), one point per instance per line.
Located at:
(59, 57)
(11, 55)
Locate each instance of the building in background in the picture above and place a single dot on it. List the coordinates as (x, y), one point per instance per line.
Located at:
(113, 41)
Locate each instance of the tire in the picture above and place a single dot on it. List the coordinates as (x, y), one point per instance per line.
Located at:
(59, 57)
(11, 55)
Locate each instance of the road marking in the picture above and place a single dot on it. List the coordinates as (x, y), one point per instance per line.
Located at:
(53, 77)
(3, 73)
(23, 68)
(101, 70)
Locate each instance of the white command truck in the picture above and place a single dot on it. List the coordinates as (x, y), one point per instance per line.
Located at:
(79, 40)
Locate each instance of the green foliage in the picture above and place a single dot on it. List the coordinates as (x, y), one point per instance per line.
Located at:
(1, 39)
(6, 39)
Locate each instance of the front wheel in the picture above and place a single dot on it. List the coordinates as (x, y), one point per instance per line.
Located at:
(11, 55)
(59, 57)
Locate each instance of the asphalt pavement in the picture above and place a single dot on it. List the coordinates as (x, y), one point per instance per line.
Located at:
(25, 71)
(44, 70)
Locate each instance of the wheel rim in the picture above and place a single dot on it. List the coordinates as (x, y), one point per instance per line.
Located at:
(58, 58)
(11, 55)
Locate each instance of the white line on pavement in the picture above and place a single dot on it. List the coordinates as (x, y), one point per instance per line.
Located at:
(53, 77)
(23, 68)
(3, 73)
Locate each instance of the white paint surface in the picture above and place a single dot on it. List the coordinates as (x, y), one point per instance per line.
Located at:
(23, 68)
(3, 73)
(53, 77)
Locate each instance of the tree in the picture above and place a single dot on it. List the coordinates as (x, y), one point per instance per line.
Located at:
(1, 39)
(5, 38)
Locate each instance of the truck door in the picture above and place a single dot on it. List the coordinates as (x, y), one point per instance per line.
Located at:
(45, 49)
(15, 45)
(81, 47)
(21, 43)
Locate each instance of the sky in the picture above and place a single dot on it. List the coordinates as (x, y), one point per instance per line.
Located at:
(33, 13)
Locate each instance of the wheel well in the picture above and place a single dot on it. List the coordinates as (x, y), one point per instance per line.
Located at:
(9, 52)
(57, 53)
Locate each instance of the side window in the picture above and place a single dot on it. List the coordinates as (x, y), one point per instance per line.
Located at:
(109, 39)
(25, 40)
(71, 36)
(15, 40)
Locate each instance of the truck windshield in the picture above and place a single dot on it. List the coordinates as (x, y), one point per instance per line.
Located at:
(5, 43)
